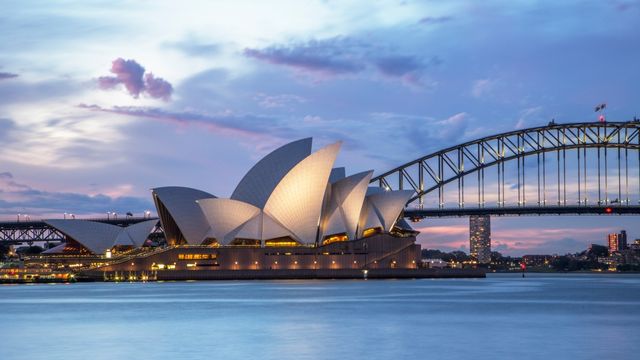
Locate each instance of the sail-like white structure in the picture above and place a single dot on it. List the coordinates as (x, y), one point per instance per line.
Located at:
(226, 218)
(296, 202)
(97, 237)
(263, 178)
(342, 211)
(136, 234)
(181, 217)
(382, 209)
(292, 195)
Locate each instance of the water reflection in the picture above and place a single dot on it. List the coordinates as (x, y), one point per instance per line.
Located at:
(503, 316)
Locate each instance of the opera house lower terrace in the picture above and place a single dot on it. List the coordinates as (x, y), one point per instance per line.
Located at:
(293, 215)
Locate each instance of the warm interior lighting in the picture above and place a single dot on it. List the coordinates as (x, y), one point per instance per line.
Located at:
(371, 231)
(335, 238)
(281, 242)
(196, 256)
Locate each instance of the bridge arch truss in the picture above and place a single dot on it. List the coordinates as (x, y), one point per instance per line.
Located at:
(577, 165)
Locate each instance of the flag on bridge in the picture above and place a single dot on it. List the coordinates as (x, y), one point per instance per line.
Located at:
(601, 107)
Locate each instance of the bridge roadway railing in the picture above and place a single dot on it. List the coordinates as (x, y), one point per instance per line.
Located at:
(417, 214)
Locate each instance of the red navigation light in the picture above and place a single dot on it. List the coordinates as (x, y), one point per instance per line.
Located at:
(523, 266)
(608, 210)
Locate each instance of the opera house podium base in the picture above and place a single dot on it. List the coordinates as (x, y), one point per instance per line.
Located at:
(299, 274)
(377, 256)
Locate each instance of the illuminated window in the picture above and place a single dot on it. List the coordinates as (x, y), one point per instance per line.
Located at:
(371, 231)
(335, 238)
(281, 242)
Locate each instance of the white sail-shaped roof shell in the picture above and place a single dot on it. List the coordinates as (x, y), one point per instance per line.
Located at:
(382, 208)
(135, 234)
(181, 204)
(345, 204)
(369, 219)
(226, 218)
(97, 237)
(296, 202)
(263, 178)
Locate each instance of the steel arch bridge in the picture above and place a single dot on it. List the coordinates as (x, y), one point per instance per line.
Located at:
(578, 168)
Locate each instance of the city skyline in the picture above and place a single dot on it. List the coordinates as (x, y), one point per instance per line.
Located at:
(105, 103)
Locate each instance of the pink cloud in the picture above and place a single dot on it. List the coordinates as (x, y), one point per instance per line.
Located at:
(132, 75)
(157, 88)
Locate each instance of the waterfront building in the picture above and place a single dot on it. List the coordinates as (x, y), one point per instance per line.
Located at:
(435, 263)
(614, 243)
(622, 240)
(480, 238)
(292, 211)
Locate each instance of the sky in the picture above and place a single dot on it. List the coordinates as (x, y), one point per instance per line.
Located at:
(102, 101)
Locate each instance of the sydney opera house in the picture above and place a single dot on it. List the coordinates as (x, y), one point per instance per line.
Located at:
(292, 211)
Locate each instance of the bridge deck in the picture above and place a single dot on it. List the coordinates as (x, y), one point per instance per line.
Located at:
(518, 211)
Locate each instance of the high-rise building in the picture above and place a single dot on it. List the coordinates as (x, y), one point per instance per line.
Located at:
(480, 238)
(614, 244)
(622, 240)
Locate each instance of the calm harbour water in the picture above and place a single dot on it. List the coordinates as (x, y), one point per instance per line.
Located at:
(501, 317)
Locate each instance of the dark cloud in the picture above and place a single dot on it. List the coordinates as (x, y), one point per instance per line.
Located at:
(128, 72)
(157, 88)
(340, 56)
(132, 75)
(6, 75)
(398, 65)
(331, 57)
(24, 198)
(407, 68)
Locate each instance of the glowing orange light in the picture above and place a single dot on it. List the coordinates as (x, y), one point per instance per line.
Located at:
(608, 210)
